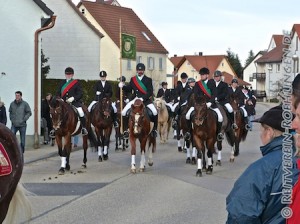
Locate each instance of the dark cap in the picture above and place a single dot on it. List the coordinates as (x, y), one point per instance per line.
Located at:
(123, 78)
(204, 71)
(164, 83)
(183, 75)
(217, 73)
(103, 74)
(140, 66)
(190, 80)
(272, 118)
(234, 81)
(69, 70)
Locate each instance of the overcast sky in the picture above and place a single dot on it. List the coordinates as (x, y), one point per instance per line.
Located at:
(211, 27)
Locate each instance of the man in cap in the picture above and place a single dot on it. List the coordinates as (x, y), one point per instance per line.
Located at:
(71, 92)
(103, 89)
(141, 87)
(234, 91)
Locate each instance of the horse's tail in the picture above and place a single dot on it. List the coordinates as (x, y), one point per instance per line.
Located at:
(244, 134)
(230, 137)
(152, 142)
(92, 137)
(19, 207)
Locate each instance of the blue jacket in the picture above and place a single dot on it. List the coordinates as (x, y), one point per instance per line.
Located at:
(256, 195)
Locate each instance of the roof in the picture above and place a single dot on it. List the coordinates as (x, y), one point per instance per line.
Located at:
(43, 6)
(109, 17)
(274, 55)
(228, 78)
(296, 29)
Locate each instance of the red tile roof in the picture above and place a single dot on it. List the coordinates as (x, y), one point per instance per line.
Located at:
(228, 78)
(274, 55)
(296, 29)
(109, 16)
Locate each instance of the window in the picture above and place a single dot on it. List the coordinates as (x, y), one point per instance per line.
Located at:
(277, 67)
(128, 64)
(82, 11)
(150, 63)
(250, 79)
(160, 64)
(138, 59)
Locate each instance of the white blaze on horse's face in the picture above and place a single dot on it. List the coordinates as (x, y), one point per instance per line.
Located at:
(136, 123)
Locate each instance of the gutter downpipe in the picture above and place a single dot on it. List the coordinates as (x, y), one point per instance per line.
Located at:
(36, 79)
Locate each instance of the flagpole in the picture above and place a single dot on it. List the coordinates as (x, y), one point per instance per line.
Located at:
(121, 90)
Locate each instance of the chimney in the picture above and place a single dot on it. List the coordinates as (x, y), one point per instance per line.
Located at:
(200, 54)
(175, 55)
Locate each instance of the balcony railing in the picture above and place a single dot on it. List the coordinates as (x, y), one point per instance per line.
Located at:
(259, 76)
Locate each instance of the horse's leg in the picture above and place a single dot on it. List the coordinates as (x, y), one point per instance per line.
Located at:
(85, 147)
(99, 148)
(143, 142)
(152, 142)
(198, 143)
(194, 153)
(68, 147)
(64, 156)
(178, 140)
(133, 153)
(210, 150)
(107, 133)
(219, 146)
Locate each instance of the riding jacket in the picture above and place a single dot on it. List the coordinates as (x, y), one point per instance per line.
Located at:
(165, 93)
(135, 88)
(201, 91)
(237, 93)
(220, 92)
(72, 88)
(179, 90)
(105, 91)
(256, 195)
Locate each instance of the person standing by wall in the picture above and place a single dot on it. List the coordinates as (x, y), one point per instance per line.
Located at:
(3, 117)
(19, 113)
(46, 119)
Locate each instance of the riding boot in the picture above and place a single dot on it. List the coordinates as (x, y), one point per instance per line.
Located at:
(176, 118)
(83, 123)
(231, 116)
(115, 119)
(187, 135)
(220, 135)
(154, 130)
(125, 127)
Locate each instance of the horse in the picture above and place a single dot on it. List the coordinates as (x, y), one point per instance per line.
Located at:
(13, 200)
(66, 124)
(241, 132)
(140, 128)
(102, 121)
(164, 121)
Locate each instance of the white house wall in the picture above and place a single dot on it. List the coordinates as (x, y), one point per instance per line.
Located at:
(19, 21)
(71, 42)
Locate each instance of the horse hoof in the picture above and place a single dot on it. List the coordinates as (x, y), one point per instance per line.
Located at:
(179, 149)
(193, 160)
(61, 171)
(209, 170)
(142, 170)
(199, 173)
(100, 159)
(68, 167)
(105, 157)
(150, 163)
(218, 163)
(236, 153)
(188, 160)
(231, 160)
(184, 150)
(83, 166)
(133, 171)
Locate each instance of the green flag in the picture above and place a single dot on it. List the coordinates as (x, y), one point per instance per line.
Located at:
(128, 46)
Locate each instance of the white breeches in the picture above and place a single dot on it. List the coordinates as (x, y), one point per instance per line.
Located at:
(244, 110)
(128, 106)
(113, 104)
(174, 106)
(220, 117)
(80, 111)
(229, 107)
(91, 105)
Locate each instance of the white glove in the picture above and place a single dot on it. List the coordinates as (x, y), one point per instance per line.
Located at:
(71, 99)
(98, 93)
(127, 101)
(178, 98)
(121, 84)
(208, 104)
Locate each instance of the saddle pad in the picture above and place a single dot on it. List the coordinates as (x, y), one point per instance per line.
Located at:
(5, 164)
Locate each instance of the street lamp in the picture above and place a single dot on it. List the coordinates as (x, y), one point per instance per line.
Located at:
(295, 60)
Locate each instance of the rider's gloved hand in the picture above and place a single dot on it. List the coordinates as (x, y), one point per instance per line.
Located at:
(121, 84)
(71, 99)
(127, 101)
(208, 104)
(98, 93)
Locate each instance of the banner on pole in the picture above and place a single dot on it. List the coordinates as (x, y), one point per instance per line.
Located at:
(128, 46)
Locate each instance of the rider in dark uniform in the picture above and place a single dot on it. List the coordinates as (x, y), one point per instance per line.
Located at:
(71, 92)
(166, 94)
(103, 89)
(142, 88)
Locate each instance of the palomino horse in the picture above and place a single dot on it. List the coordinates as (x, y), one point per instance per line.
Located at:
(66, 124)
(102, 121)
(164, 122)
(241, 132)
(139, 128)
(204, 123)
(13, 201)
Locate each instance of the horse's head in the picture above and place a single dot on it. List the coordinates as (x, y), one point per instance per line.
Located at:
(233, 100)
(159, 103)
(200, 111)
(56, 112)
(137, 115)
(105, 107)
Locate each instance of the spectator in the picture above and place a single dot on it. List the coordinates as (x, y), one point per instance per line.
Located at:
(3, 117)
(46, 119)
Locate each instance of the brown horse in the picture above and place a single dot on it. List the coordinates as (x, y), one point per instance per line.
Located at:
(13, 201)
(66, 124)
(204, 123)
(140, 128)
(164, 123)
(103, 123)
(241, 132)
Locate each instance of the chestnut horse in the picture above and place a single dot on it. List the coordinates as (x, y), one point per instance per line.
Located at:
(13, 201)
(66, 124)
(139, 128)
(103, 123)
(164, 122)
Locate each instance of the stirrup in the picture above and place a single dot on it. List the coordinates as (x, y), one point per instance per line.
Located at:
(116, 125)
(234, 126)
(174, 124)
(52, 134)
(84, 131)
(154, 133)
(187, 136)
(220, 137)
(125, 134)
(247, 127)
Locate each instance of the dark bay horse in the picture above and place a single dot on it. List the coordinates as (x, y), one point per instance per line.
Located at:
(140, 128)
(101, 118)
(13, 201)
(66, 124)
(241, 132)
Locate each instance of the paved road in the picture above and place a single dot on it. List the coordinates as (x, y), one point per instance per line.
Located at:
(106, 192)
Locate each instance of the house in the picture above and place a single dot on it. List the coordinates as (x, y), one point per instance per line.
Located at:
(73, 42)
(295, 51)
(22, 22)
(111, 20)
(191, 64)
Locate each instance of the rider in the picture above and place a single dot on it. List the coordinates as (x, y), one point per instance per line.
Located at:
(235, 91)
(204, 88)
(71, 92)
(142, 87)
(166, 94)
(103, 89)
(221, 94)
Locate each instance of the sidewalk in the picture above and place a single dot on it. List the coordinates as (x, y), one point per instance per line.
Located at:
(45, 151)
